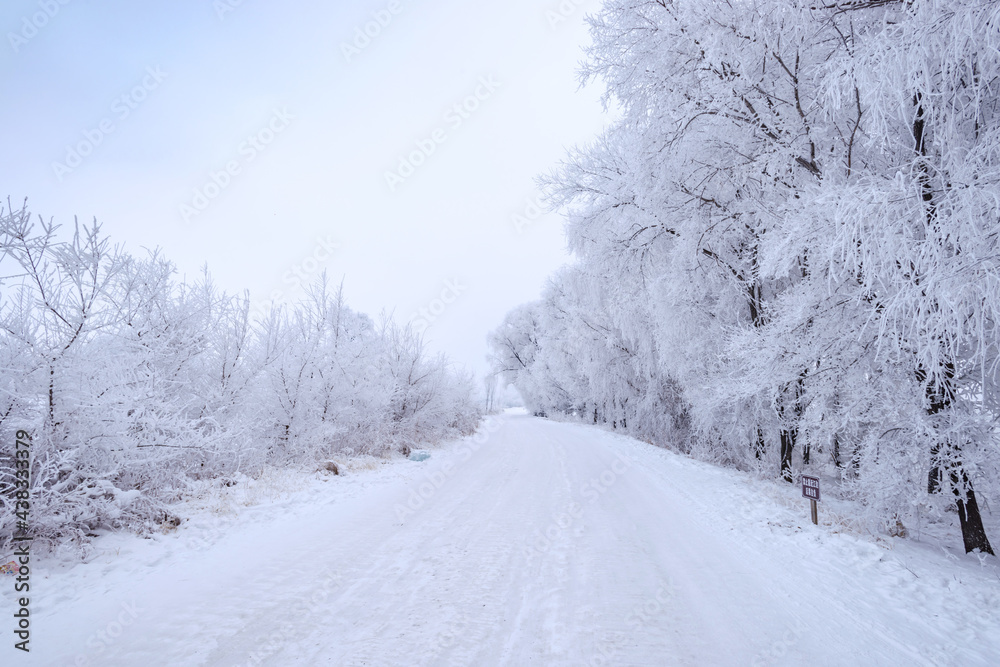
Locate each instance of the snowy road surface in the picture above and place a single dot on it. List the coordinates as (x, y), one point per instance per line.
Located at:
(543, 543)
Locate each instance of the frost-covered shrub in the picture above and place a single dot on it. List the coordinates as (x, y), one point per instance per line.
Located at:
(133, 385)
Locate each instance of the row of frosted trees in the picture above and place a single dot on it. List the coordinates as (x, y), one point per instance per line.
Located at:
(132, 384)
(788, 245)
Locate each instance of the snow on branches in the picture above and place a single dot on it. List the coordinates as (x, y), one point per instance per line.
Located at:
(788, 245)
(132, 385)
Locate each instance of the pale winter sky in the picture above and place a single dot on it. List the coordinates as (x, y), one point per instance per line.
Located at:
(244, 135)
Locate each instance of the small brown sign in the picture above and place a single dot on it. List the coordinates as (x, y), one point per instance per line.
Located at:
(810, 487)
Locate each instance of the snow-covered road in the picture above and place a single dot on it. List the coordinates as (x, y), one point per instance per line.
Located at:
(537, 543)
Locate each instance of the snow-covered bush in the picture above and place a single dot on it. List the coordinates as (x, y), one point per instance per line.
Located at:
(133, 385)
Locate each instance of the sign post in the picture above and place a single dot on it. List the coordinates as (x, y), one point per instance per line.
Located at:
(810, 490)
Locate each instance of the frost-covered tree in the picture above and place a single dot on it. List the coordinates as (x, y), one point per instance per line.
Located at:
(133, 384)
(917, 220)
(790, 234)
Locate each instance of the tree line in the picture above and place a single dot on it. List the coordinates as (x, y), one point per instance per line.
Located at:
(133, 384)
(786, 246)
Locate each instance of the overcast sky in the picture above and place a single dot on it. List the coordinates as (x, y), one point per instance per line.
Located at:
(244, 135)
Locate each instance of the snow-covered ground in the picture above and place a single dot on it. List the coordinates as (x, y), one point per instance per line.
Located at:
(534, 543)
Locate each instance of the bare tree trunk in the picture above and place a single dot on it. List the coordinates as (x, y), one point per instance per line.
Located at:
(759, 448)
(787, 446)
(941, 391)
(789, 434)
(973, 532)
